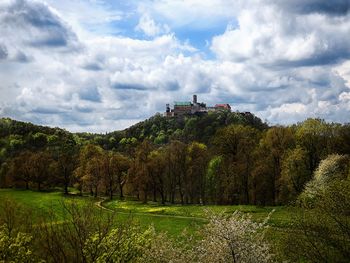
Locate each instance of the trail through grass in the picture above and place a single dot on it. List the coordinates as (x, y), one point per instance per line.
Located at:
(173, 219)
(280, 218)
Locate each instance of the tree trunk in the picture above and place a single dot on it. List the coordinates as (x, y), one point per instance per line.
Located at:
(182, 197)
(66, 181)
(154, 194)
(145, 197)
(121, 191)
(172, 197)
(246, 186)
(110, 192)
(162, 197)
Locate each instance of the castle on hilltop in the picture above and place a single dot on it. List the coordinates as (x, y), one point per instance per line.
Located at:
(192, 108)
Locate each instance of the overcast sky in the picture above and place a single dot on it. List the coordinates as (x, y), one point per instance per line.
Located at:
(102, 65)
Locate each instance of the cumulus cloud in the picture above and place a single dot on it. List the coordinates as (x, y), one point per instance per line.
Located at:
(283, 60)
(34, 24)
(199, 14)
(335, 7)
(290, 51)
(272, 35)
(97, 86)
(150, 28)
(3, 52)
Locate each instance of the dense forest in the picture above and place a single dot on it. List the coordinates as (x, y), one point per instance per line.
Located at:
(219, 158)
(222, 158)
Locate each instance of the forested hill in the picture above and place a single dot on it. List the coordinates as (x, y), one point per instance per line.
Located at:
(221, 158)
(17, 135)
(160, 130)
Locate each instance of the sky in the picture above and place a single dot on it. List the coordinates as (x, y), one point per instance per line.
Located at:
(103, 65)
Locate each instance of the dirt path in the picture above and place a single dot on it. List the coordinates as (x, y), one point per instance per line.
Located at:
(100, 205)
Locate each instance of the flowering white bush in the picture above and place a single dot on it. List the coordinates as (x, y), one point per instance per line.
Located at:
(234, 239)
(334, 167)
(224, 239)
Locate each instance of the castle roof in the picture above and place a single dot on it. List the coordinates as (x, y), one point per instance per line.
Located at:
(182, 103)
(226, 106)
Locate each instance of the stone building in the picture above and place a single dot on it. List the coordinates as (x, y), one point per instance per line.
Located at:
(192, 108)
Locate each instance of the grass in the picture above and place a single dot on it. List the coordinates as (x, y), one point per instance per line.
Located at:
(40, 203)
(281, 216)
(172, 219)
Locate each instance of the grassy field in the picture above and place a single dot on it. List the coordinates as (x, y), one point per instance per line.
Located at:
(280, 217)
(40, 203)
(172, 219)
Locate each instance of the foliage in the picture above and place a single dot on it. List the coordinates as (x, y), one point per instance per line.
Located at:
(295, 174)
(74, 239)
(173, 159)
(334, 167)
(161, 249)
(234, 239)
(224, 239)
(15, 248)
(123, 244)
(236, 144)
(321, 233)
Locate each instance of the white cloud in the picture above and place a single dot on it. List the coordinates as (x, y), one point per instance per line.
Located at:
(282, 66)
(87, 17)
(150, 28)
(270, 35)
(198, 14)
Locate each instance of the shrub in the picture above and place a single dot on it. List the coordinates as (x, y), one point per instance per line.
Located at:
(334, 167)
(234, 239)
(15, 248)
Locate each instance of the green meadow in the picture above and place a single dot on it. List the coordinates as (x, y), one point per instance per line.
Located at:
(170, 218)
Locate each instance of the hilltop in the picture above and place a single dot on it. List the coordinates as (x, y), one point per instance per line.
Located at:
(157, 129)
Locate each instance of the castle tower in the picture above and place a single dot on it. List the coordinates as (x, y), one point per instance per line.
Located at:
(194, 99)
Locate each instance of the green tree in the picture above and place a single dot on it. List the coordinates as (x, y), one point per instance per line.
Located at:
(157, 168)
(321, 233)
(197, 161)
(65, 155)
(117, 172)
(39, 167)
(139, 171)
(20, 168)
(16, 142)
(316, 137)
(90, 170)
(295, 174)
(177, 177)
(236, 144)
(213, 179)
(277, 141)
(39, 139)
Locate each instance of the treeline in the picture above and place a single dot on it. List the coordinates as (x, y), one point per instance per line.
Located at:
(319, 231)
(220, 158)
